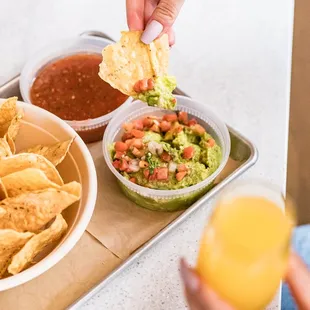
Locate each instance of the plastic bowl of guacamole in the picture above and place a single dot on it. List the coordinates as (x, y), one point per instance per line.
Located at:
(176, 165)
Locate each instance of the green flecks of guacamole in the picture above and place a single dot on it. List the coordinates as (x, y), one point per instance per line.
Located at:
(151, 136)
(161, 96)
(211, 157)
(152, 161)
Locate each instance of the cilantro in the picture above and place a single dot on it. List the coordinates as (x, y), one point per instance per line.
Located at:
(153, 163)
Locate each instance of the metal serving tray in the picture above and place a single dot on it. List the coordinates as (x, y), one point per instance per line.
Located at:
(243, 155)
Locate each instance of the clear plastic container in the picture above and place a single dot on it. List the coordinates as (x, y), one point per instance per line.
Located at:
(91, 129)
(167, 200)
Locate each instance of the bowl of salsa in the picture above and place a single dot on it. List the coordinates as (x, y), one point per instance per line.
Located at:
(63, 79)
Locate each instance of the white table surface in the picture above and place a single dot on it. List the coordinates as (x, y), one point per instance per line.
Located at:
(234, 55)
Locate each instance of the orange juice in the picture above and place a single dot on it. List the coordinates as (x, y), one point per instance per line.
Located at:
(244, 251)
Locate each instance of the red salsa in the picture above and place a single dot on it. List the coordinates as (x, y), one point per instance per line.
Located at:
(71, 88)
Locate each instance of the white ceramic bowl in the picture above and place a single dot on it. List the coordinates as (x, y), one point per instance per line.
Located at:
(42, 127)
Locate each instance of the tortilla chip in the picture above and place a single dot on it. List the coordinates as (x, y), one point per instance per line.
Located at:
(27, 180)
(36, 244)
(11, 143)
(129, 60)
(32, 210)
(3, 192)
(10, 243)
(5, 149)
(23, 161)
(55, 153)
(8, 111)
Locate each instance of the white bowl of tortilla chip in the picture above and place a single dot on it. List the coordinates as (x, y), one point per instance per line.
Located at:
(41, 127)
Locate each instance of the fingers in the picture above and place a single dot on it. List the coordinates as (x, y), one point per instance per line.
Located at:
(171, 36)
(149, 8)
(298, 280)
(198, 295)
(135, 14)
(162, 19)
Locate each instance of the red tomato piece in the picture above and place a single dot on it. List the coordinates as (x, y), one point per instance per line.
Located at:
(162, 174)
(137, 133)
(165, 157)
(124, 165)
(146, 173)
(180, 175)
(137, 143)
(133, 180)
(198, 129)
(147, 122)
(120, 146)
(126, 136)
(192, 122)
(165, 126)
(170, 118)
(116, 164)
(150, 84)
(143, 85)
(183, 117)
(188, 152)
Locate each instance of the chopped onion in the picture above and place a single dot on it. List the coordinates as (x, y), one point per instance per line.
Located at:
(152, 146)
(159, 149)
(134, 165)
(172, 167)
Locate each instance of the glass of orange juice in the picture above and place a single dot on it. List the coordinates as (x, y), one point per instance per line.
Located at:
(246, 244)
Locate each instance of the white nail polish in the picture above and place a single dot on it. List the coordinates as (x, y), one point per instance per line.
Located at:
(151, 32)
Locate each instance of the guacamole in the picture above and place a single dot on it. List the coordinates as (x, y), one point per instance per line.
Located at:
(161, 95)
(166, 153)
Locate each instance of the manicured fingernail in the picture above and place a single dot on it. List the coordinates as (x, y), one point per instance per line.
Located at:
(151, 32)
(190, 279)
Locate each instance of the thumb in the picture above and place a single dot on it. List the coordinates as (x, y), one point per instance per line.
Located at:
(162, 19)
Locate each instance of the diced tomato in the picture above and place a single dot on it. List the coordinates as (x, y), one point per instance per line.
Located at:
(183, 117)
(137, 133)
(165, 126)
(165, 157)
(188, 152)
(124, 165)
(153, 176)
(192, 122)
(146, 173)
(138, 124)
(162, 174)
(137, 153)
(136, 87)
(198, 129)
(127, 126)
(143, 164)
(143, 85)
(150, 84)
(178, 129)
(180, 175)
(173, 100)
(182, 167)
(155, 128)
(119, 155)
(116, 164)
(120, 146)
(211, 142)
(126, 136)
(147, 122)
(133, 180)
(137, 143)
(170, 117)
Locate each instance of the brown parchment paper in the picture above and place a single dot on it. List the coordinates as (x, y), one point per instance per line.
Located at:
(87, 264)
(118, 223)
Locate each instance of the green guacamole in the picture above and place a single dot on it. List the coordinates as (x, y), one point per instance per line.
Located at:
(161, 96)
(168, 153)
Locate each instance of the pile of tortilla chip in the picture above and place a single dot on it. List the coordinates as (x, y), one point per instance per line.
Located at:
(128, 61)
(32, 195)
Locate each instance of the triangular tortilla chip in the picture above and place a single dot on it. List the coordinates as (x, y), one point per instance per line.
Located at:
(36, 244)
(8, 111)
(129, 60)
(32, 210)
(12, 132)
(5, 149)
(3, 192)
(55, 153)
(23, 161)
(10, 243)
(27, 180)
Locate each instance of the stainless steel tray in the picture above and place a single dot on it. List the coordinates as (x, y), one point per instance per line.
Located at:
(243, 152)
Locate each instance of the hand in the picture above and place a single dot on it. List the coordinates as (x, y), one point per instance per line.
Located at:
(200, 297)
(155, 16)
